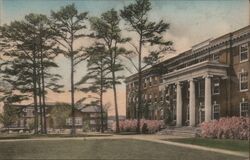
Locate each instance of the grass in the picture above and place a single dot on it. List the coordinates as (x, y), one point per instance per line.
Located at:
(30, 136)
(102, 149)
(228, 144)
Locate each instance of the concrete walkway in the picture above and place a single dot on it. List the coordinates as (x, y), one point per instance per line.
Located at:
(217, 150)
(150, 138)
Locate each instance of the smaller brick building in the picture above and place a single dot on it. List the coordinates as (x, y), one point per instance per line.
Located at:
(86, 118)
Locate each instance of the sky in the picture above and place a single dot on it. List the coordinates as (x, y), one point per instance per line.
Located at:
(191, 22)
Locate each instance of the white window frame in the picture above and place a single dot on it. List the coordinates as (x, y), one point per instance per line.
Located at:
(243, 102)
(69, 121)
(214, 85)
(145, 83)
(150, 81)
(242, 72)
(245, 44)
(78, 121)
(134, 99)
(216, 104)
(150, 98)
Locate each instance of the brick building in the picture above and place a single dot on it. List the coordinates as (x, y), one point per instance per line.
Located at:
(87, 118)
(209, 81)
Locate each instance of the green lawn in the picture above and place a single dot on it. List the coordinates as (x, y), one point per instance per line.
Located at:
(31, 136)
(102, 149)
(228, 144)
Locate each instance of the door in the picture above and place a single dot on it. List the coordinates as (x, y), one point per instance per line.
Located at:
(201, 113)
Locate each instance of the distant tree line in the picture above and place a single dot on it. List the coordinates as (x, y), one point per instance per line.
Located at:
(29, 48)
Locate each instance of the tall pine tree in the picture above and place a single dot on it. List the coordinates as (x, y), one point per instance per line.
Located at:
(107, 30)
(150, 34)
(69, 24)
(97, 80)
(24, 70)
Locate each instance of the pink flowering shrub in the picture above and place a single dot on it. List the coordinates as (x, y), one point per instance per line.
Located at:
(226, 128)
(129, 125)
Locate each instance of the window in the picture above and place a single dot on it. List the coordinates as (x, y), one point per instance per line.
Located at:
(167, 92)
(149, 99)
(161, 80)
(134, 99)
(145, 83)
(93, 115)
(216, 87)
(216, 111)
(155, 80)
(243, 52)
(130, 99)
(216, 57)
(161, 94)
(78, 121)
(150, 81)
(29, 112)
(244, 107)
(156, 98)
(243, 81)
(68, 121)
(93, 122)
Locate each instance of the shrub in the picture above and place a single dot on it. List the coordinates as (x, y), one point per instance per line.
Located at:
(144, 129)
(226, 128)
(147, 126)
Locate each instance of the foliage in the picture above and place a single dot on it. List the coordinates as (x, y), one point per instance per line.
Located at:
(31, 124)
(59, 113)
(97, 80)
(226, 128)
(28, 53)
(107, 31)
(147, 126)
(9, 116)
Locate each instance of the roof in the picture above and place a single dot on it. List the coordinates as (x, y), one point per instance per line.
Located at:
(79, 107)
(175, 58)
(90, 109)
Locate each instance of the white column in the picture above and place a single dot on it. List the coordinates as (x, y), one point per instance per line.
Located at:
(178, 105)
(191, 103)
(208, 98)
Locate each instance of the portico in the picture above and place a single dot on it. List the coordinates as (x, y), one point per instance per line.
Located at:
(191, 75)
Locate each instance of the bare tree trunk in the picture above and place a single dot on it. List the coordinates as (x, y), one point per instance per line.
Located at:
(116, 106)
(114, 88)
(43, 98)
(73, 130)
(139, 86)
(40, 101)
(35, 95)
(101, 102)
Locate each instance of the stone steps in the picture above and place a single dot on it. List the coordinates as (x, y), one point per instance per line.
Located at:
(180, 131)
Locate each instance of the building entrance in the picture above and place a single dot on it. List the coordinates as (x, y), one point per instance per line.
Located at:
(201, 113)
